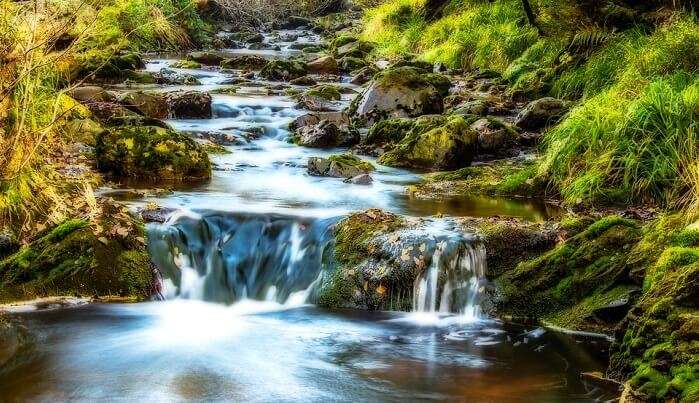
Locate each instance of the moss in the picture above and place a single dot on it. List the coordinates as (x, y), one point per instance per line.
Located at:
(151, 152)
(283, 70)
(329, 92)
(352, 160)
(105, 257)
(388, 131)
(213, 148)
(186, 64)
(341, 40)
(577, 276)
(352, 236)
(450, 145)
(440, 82)
(669, 260)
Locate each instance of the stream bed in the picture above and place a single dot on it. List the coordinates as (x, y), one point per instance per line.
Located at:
(237, 323)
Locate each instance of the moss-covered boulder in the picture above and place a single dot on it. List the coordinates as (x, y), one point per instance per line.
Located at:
(495, 137)
(325, 91)
(151, 153)
(149, 104)
(339, 166)
(348, 64)
(189, 104)
(104, 256)
(566, 284)
(325, 134)
(283, 70)
(359, 49)
(450, 145)
(657, 344)
(108, 67)
(324, 65)
(347, 286)
(186, 64)
(205, 58)
(395, 93)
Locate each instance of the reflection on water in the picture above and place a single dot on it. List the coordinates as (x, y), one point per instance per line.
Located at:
(261, 351)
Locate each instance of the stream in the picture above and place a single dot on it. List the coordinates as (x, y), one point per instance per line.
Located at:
(241, 263)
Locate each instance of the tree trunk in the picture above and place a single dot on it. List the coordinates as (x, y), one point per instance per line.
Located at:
(531, 17)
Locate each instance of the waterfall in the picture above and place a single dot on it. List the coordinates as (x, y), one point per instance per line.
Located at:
(226, 257)
(453, 280)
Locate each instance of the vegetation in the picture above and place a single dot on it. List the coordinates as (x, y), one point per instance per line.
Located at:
(633, 136)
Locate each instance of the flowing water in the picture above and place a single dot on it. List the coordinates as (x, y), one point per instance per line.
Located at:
(241, 264)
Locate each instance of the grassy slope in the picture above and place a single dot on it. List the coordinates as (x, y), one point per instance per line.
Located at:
(632, 138)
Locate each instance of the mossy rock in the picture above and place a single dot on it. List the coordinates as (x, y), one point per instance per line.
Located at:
(105, 257)
(151, 153)
(283, 70)
(389, 131)
(110, 67)
(396, 93)
(186, 64)
(328, 92)
(352, 243)
(450, 145)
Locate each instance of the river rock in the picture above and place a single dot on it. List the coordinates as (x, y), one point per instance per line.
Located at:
(189, 104)
(91, 93)
(171, 77)
(477, 107)
(540, 113)
(401, 92)
(449, 146)
(206, 58)
(339, 166)
(317, 104)
(325, 134)
(305, 80)
(151, 153)
(494, 136)
(254, 38)
(340, 119)
(363, 75)
(152, 105)
(295, 22)
(348, 63)
(244, 62)
(358, 49)
(323, 65)
(283, 70)
(363, 179)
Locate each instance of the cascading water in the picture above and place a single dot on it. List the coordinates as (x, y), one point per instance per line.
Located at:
(226, 257)
(453, 280)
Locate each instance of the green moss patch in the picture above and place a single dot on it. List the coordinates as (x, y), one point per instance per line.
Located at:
(104, 257)
(151, 153)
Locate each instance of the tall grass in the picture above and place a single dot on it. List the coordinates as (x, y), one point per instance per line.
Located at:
(630, 143)
(34, 79)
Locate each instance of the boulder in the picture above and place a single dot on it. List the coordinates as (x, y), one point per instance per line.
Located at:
(152, 153)
(254, 38)
(363, 75)
(186, 64)
(401, 92)
(205, 58)
(363, 179)
(541, 113)
(323, 65)
(449, 146)
(171, 77)
(152, 105)
(189, 104)
(283, 70)
(244, 62)
(349, 63)
(339, 119)
(494, 136)
(476, 107)
(339, 166)
(91, 93)
(305, 80)
(359, 49)
(295, 22)
(317, 103)
(325, 134)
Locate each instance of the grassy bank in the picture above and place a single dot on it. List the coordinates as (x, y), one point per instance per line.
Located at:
(46, 48)
(632, 136)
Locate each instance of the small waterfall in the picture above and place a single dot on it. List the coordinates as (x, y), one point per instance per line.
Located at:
(453, 280)
(225, 257)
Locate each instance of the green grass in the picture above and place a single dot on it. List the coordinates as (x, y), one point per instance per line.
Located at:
(630, 144)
